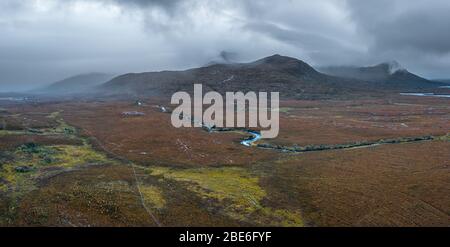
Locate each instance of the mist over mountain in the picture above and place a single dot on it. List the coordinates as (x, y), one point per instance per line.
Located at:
(442, 80)
(388, 75)
(289, 76)
(292, 77)
(224, 57)
(76, 84)
(43, 41)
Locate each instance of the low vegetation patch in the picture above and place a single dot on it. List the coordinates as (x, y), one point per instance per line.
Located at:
(69, 156)
(153, 196)
(30, 157)
(235, 190)
(11, 132)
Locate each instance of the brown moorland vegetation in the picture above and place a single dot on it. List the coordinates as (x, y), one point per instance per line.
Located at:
(86, 164)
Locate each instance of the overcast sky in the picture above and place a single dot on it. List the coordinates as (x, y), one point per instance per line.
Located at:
(46, 40)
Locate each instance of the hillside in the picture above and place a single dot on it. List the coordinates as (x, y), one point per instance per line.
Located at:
(443, 80)
(289, 76)
(388, 76)
(76, 84)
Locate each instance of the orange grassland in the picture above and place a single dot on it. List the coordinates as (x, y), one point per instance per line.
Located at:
(147, 173)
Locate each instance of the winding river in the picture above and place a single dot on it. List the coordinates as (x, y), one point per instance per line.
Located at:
(256, 136)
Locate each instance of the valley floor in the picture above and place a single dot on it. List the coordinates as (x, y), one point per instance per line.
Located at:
(86, 164)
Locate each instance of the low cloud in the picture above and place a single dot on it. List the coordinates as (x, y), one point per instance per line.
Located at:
(43, 41)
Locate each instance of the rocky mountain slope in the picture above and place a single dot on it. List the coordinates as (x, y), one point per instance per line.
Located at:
(384, 76)
(289, 76)
(77, 84)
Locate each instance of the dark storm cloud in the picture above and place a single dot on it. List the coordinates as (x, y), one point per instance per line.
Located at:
(422, 31)
(168, 5)
(331, 50)
(413, 32)
(145, 3)
(305, 40)
(45, 40)
(419, 25)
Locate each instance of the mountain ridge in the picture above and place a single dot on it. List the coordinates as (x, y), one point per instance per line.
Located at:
(76, 84)
(290, 76)
(387, 75)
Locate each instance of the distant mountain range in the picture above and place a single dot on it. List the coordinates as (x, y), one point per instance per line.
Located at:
(76, 84)
(443, 80)
(289, 76)
(386, 76)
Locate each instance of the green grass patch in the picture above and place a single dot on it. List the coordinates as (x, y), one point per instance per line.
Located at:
(445, 138)
(69, 156)
(30, 157)
(285, 109)
(12, 132)
(54, 115)
(235, 190)
(153, 196)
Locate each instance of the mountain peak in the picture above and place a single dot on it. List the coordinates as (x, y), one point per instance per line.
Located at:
(392, 67)
(287, 64)
(278, 59)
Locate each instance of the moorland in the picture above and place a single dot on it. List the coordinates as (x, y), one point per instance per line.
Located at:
(348, 154)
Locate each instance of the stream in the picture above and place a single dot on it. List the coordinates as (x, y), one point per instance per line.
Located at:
(255, 136)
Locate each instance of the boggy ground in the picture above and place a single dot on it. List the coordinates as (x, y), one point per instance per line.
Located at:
(91, 166)
(338, 122)
(58, 175)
